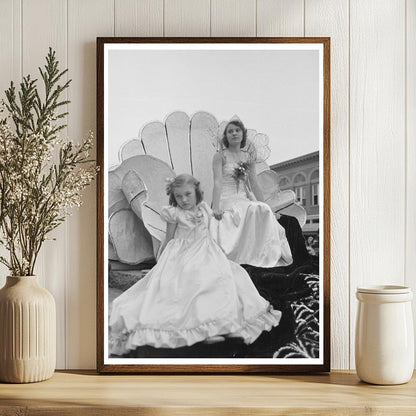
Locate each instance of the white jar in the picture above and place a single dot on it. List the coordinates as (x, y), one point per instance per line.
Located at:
(384, 337)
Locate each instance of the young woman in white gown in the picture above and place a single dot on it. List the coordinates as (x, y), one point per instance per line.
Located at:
(194, 293)
(247, 229)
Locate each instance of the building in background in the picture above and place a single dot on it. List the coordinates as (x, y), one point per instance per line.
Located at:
(301, 175)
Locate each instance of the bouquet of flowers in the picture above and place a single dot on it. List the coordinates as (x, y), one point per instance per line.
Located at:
(240, 172)
(41, 175)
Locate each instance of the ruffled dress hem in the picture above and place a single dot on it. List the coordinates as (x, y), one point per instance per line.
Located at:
(124, 342)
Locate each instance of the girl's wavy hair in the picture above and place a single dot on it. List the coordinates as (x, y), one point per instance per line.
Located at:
(183, 179)
(237, 123)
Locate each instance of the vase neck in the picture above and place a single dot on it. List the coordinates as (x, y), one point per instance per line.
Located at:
(22, 280)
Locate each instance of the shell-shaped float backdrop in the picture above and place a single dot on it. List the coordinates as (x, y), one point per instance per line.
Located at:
(182, 144)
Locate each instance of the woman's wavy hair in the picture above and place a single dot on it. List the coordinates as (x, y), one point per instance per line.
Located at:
(183, 179)
(237, 123)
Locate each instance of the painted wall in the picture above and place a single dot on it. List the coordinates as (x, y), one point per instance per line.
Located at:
(373, 129)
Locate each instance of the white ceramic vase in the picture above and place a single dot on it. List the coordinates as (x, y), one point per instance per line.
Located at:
(27, 331)
(384, 341)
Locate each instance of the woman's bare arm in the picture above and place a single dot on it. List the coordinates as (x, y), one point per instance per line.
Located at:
(255, 187)
(216, 193)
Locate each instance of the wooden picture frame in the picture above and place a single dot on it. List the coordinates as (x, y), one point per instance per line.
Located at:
(148, 87)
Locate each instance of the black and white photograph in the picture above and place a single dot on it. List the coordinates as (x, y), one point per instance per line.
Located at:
(214, 185)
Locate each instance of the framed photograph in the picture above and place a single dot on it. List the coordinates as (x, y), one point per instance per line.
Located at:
(213, 205)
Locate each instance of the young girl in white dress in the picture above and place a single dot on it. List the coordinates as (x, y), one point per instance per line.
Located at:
(247, 229)
(194, 293)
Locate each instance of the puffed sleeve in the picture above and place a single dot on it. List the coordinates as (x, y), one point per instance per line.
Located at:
(169, 214)
(206, 208)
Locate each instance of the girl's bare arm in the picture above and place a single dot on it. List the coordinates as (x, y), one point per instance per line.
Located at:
(170, 232)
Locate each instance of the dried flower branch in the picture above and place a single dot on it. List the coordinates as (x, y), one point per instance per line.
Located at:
(37, 193)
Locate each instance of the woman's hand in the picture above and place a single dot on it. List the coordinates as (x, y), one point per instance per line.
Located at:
(217, 214)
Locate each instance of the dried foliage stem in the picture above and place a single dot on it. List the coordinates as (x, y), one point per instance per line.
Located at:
(36, 193)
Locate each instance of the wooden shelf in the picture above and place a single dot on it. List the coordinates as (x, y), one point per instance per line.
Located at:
(86, 393)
